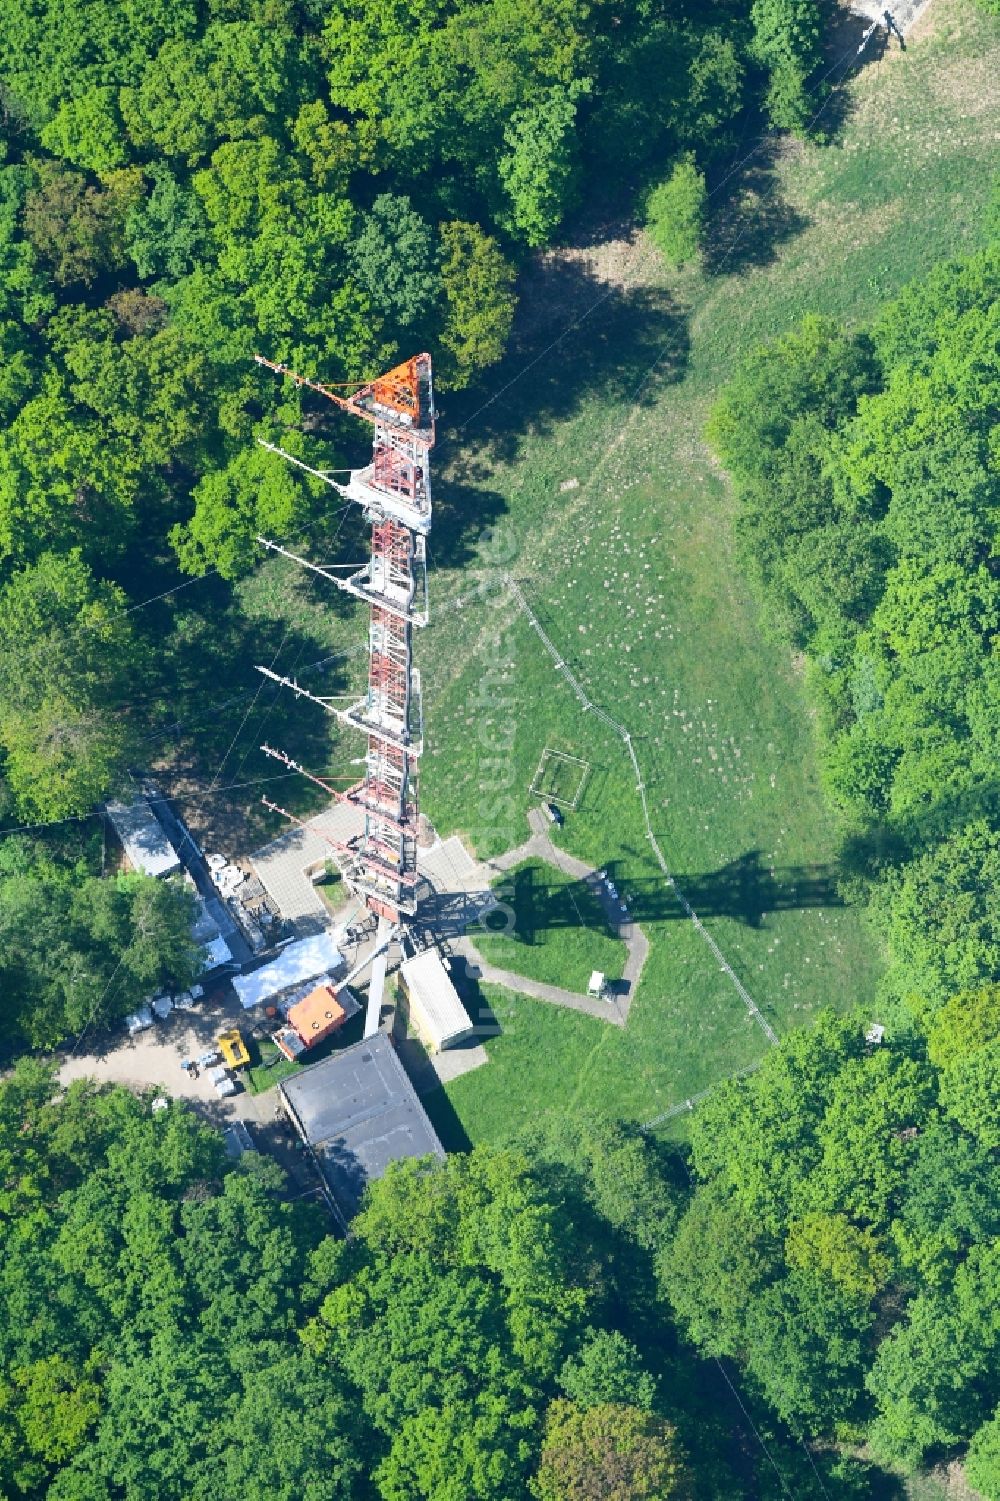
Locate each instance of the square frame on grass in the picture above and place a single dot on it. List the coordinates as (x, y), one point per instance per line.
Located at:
(550, 786)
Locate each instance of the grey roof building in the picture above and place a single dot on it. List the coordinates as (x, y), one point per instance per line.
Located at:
(143, 838)
(358, 1112)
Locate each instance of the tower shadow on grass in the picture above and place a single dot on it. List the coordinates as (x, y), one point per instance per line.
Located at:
(746, 889)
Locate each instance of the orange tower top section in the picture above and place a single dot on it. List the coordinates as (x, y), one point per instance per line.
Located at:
(403, 397)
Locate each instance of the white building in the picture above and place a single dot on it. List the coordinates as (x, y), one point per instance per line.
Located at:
(304, 960)
(435, 1009)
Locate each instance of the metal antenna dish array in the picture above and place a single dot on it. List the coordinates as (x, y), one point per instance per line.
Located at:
(380, 865)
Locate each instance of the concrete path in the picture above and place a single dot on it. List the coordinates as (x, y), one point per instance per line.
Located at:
(614, 1009)
(462, 895)
(428, 1072)
(904, 12)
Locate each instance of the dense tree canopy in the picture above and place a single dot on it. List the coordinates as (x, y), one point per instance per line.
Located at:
(842, 1239)
(174, 1327)
(76, 950)
(866, 465)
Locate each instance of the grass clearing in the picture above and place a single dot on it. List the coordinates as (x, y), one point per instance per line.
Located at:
(632, 573)
(550, 928)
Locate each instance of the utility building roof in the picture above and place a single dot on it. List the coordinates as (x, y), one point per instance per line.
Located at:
(303, 960)
(359, 1112)
(317, 1014)
(143, 838)
(435, 1008)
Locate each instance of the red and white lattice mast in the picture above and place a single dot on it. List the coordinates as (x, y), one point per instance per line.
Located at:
(380, 865)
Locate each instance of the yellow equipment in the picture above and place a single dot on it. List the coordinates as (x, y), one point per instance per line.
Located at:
(233, 1048)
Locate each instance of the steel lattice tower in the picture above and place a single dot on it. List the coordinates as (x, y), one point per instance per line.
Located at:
(395, 491)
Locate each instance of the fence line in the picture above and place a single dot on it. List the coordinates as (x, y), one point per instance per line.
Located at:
(589, 707)
(695, 1099)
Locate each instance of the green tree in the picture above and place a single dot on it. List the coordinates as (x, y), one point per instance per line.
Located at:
(934, 1378)
(806, 1348)
(939, 917)
(306, 1439)
(57, 1408)
(964, 1040)
(394, 258)
(61, 484)
(833, 1251)
(67, 651)
(480, 302)
(675, 212)
(196, 92)
(788, 38)
(165, 229)
(75, 227)
(608, 1368)
(78, 951)
(255, 493)
(952, 1202)
(983, 1463)
(87, 131)
(540, 171)
(608, 1453)
(717, 1265)
(463, 1451)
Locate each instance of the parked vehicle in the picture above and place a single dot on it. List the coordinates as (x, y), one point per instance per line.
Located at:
(233, 1048)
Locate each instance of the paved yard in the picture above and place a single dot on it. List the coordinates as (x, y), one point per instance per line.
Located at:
(284, 865)
(153, 1060)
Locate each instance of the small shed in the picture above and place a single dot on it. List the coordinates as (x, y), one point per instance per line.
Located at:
(598, 984)
(434, 1006)
(143, 838)
(314, 1018)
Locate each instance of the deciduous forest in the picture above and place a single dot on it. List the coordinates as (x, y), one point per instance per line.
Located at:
(798, 1292)
(867, 468)
(558, 1318)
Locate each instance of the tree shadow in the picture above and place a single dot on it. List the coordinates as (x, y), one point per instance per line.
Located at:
(576, 335)
(202, 725)
(751, 219)
(866, 854)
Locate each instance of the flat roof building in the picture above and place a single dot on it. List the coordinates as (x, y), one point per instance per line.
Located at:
(143, 838)
(358, 1112)
(435, 1009)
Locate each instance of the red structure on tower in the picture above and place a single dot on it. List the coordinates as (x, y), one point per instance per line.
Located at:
(380, 865)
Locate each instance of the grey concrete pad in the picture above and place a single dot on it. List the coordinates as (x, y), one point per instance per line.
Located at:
(283, 866)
